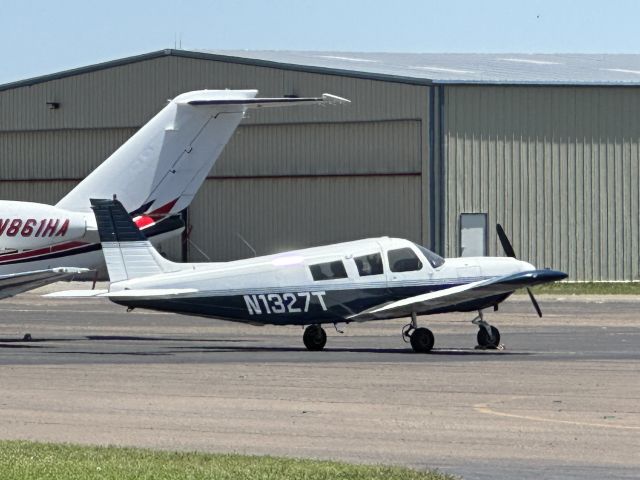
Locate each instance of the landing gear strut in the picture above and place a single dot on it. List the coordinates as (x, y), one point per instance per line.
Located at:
(488, 336)
(314, 338)
(421, 338)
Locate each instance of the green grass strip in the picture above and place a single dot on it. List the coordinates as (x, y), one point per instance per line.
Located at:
(21, 460)
(588, 288)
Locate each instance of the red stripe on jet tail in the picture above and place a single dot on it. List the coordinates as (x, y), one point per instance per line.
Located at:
(143, 221)
(163, 210)
(41, 251)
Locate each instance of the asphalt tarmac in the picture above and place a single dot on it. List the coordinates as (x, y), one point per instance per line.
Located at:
(561, 400)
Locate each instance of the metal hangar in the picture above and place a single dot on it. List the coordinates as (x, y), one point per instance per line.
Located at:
(435, 148)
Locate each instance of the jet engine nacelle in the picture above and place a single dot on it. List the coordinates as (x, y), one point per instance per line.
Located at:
(27, 225)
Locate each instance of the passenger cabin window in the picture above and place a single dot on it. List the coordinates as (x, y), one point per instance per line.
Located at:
(328, 271)
(369, 264)
(403, 260)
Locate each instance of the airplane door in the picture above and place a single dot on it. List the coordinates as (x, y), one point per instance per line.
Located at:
(406, 268)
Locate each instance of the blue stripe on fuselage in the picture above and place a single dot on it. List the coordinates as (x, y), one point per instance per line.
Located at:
(340, 303)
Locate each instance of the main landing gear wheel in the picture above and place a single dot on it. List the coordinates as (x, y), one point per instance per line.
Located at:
(314, 338)
(484, 340)
(422, 340)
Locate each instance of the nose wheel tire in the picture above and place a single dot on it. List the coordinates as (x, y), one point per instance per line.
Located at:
(422, 340)
(314, 338)
(488, 342)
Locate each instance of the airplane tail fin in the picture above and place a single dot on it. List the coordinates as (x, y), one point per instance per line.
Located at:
(127, 252)
(158, 171)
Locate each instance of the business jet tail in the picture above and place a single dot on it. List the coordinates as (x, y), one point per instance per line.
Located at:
(158, 171)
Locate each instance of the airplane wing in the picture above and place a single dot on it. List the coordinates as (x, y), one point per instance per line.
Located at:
(15, 283)
(448, 297)
(325, 99)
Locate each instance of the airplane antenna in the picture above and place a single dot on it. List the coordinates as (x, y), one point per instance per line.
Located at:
(199, 249)
(255, 254)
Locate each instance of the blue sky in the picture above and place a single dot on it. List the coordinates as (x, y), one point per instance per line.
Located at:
(42, 37)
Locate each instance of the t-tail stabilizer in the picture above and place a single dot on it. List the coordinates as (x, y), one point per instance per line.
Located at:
(161, 167)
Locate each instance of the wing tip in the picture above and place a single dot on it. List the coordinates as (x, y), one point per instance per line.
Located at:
(334, 99)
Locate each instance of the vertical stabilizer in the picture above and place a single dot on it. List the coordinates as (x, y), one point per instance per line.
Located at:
(127, 252)
(171, 154)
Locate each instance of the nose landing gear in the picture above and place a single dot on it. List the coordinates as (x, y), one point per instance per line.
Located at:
(488, 336)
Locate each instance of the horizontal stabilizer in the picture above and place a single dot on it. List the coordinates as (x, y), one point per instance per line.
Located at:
(325, 99)
(150, 293)
(15, 283)
(142, 293)
(76, 294)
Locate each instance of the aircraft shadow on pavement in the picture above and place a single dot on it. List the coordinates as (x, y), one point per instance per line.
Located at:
(110, 338)
(22, 340)
(21, 343)
(161, 339)
(125, 354)
(13, 344)
(404, 351)
(205, 347)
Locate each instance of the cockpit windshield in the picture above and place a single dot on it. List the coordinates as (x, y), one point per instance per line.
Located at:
(434, 259)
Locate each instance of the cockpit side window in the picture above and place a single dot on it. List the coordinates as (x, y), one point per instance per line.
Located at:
(434, 259)
(403, 260)
(369, 264)
(328, 271)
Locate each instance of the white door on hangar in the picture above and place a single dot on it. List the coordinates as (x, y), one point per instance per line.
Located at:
(473, 234)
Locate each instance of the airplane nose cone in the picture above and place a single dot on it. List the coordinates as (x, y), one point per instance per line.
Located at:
(556, 275)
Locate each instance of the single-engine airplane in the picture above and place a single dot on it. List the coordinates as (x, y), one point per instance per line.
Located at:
(155, 174)
(372, 279)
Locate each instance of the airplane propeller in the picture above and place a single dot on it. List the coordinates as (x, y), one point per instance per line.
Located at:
(510, 252)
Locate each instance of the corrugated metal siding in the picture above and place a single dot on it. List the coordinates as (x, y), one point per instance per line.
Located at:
(124, 96)
(35, 191)
(558, 167)
(283, 214)
(50, 154)
(323, 148)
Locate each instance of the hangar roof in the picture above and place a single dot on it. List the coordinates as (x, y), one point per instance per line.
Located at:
(481, 68)
(415, 68)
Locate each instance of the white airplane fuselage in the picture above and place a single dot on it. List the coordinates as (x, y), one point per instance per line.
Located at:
(283, 289)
